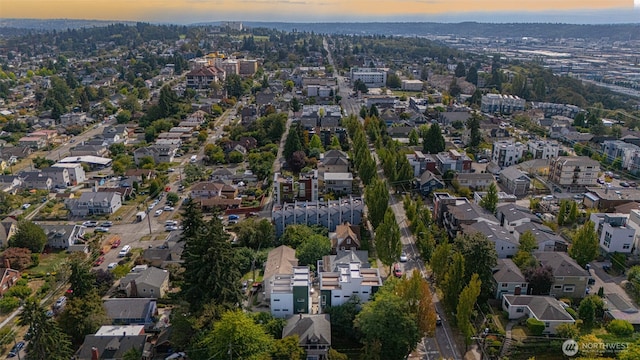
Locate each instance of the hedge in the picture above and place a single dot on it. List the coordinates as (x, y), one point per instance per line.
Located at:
(536, 327)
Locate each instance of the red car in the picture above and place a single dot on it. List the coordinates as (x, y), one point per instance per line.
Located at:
(99, 261)
(397, 272)
(115, 244)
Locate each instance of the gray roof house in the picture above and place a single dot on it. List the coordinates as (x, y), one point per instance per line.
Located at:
(36, 180)
(570, 279)
(314, 332)
(508, 279)
(160, 153)
(543, 308)
(95, 203)
(515, 181)
(99, 347)
(511, 216)
(428, 182)
(506, 244)
(64, 236)
(131, 311)
(148, 283)
(546, 238)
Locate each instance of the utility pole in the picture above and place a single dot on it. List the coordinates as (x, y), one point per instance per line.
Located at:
(148, 217)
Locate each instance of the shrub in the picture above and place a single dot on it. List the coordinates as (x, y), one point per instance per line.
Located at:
(567, 331)
(8, 304)
(536, 327)
(19, 291)
(620, 327)
(572, 312)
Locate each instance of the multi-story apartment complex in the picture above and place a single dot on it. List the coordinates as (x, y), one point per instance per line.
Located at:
(201, 78)
(329, 214)
(248, 67)
(320, 115)
(372, 77)
(506, 153)
(544, 149)
(285, 189)
(551, 109)
(574, 172)
(628, 154)
(505, 104)
(452, 160)
(613, 233)
(291, 293)
(515, 181)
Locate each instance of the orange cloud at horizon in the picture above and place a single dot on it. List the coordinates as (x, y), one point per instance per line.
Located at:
(150, 10)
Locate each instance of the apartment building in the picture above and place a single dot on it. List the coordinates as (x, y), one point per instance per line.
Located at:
(248, 67)
(291, 293)
(613, 233)
(372, 77)
(504, 104)
(452, 160)
(76, 172)
(329, 214)
(201, 78)
(506, 153)
(548, 149)
(347, 280)
(574, 172)
(286, 190)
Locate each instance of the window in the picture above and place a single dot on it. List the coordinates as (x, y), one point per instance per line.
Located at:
(557, 287)
(324, 300)
(523, 285)
(276, 300)
(504, 284)
(546, 324)
(348, 241)
(300, 300)
(519, 310)
(626, 246)
(569, 288)
(607, 239)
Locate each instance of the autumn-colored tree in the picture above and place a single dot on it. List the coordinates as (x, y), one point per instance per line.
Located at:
(19, 258)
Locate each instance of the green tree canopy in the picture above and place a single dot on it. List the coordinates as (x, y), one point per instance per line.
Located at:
(481, 258)
(584, 247)
(432, 140)
(376, 197)
(236, 332)
(490, 200)
(29, 236)
(47, 341)
(313, 249)
(387, 240)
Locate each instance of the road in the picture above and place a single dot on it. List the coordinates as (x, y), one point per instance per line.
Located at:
(62, 151)
(277, 164)
(442, 345)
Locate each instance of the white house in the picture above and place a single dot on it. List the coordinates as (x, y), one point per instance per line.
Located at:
(506, 153)
(613, 233)
(291, 293)
(543, 308)
(506, 243)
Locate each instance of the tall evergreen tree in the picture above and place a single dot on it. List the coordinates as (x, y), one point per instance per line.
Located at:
(47, 341)
(490, 200)
(293, 142)
(433, 141)
(376, 197)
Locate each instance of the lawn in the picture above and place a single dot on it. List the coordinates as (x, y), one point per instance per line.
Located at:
(48, 263)
(519, 333)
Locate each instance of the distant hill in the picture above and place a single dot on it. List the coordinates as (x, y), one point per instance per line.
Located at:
(56, 24)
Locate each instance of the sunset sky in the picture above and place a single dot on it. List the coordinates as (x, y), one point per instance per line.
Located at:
(189, 11)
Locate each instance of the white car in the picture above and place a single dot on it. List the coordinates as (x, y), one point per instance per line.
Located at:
(159, 212)
(169, 208)
(112, 266)
(90, 224)
(403, 257)
(26, 206)
(170, 228)
(101, 229)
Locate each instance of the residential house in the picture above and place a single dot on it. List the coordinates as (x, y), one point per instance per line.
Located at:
(34, 142)
(333, 161)
(10, 183)
(160, 153)
(338, 183)
(206, 189)
(280, 261)
(465, 214)
(347, 277)
(428, 182)
(150, 282)
(115, 134)
(95, 203)
(8, 277)
(75, 172)
(546, 238)
(222, 174)
(475, 181)
(36, 180)
(328, 213)
(574, 172)
(512, 216)
(421, 162)
(12, 154)
(541, 149)
(506, 153)
(291, 293)
(506, 244)
(286, 190)
(201, 78)
(314, 333)
(515, 181)
(131, 311)
(89, 150)
(452, 160)
(606, 199)
(613, 233)
(169, 253)
(346, 237)
(139, 175)
(59, 176)
(8, 227)
(63, 236)
(107, 347)
(508, 279)
(265, 97)
(542, 308)
(74, 119)
(569, 278)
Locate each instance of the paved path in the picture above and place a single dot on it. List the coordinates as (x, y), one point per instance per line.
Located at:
(507, 339)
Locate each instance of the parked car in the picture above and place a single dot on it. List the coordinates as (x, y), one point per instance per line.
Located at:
(62, 301)
(483, 161)
(116, 243)
(112, 266)
(438, 319)
(99, 261)
(170, 228)
(624, 184)
(101, 229)
(25, 206)
(124, 251)
(90, 224)
(169, 208)
(234, 217)
(403, 257)
(159, 212)
(547, 197)
(107, 224)
(16, 349)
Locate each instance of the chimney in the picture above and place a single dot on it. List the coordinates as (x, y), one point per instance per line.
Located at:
(134, 289)
(7, 264)
(94, 354)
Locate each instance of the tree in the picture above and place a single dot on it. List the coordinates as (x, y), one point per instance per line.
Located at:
(490, 200)
(587, 312)
(417, 295)
(539, 279)
(472, 75)
(473, 124)
(562, 212)
(236, 332)
(287, 348)
(123, 117)
(524, 258)
(480, 258)
(567, 331)
(295, 235)
(387, 240)
(132, 354)
(454, 282)
(19, 258)
(620, 327)
(29, 236)
(388, 330)
(293, 142)
(297, 161)
(46, 340)
(376, 197)
(312, 250)
(460, 71)
(393, 81)
(414, 137)
(316, 143)
(82, 316)
(573, 212)
(336, 355)
(236, 157)
(82, 280)
(464, 310)
(211, 269)
(440, 261)
(585, 244)
(432, 140)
